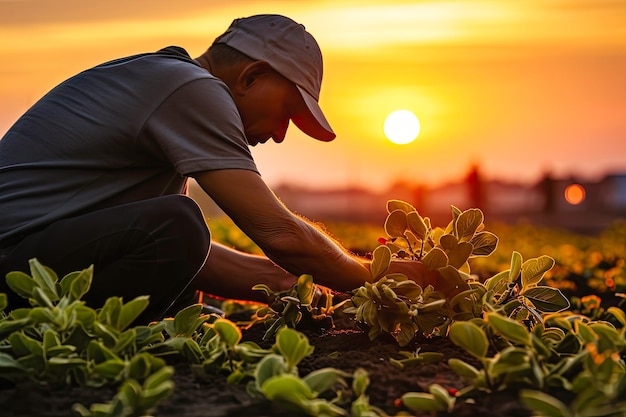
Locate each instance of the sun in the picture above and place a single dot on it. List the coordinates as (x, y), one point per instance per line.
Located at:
(401, 127)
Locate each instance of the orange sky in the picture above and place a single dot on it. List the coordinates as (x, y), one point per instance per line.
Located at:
(519, 87)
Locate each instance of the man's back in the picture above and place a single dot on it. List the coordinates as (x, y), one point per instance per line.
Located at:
(94, 142)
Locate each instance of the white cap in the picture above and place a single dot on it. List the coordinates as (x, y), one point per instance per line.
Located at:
(290, 50)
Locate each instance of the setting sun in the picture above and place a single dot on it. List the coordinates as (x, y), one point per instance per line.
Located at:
(401, 127)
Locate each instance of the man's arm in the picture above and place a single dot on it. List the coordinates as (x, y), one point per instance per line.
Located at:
(230, 273)
(287, 240)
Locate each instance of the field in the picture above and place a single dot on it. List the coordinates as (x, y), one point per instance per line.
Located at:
(572, 364)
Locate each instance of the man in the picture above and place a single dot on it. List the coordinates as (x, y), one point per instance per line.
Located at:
(94, 172)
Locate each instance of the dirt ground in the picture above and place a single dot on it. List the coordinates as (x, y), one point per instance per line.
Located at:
(350, 349)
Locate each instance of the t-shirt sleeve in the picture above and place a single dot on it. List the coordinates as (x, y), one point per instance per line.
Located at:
(198, 128)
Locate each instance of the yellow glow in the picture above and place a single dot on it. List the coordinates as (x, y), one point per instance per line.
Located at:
(401, 127)
(464, 67)
(575, 194)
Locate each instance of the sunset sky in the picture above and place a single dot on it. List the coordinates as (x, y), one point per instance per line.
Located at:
(519, 87)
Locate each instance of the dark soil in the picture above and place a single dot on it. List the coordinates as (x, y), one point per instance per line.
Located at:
(345, 347)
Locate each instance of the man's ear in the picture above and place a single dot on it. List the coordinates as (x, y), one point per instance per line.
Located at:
(251, 73)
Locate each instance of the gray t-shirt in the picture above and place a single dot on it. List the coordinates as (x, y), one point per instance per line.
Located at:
(123, 131)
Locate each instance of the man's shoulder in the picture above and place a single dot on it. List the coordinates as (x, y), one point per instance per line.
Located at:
(174, 58)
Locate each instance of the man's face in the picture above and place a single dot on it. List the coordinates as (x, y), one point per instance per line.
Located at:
(268, 104)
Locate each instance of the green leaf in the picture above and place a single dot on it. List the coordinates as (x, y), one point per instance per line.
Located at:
(21, 283)
(42, 298)
(615, 311)
(381, 259)
(9, 364)
(421, 401)
(130, 311)
(45, 278)
(454, 279)
(161, 376)
(510, 329)
(516, 266)
(23, 345)
(367, 313)
(569, 345)
(393, 205)
(305, 289)
(268, 367)
(498, 283)
(585, 333)
(191, 351)
(76, 284)
(534, 269)
(185, 320)
(4, 301)
(396, 223)
(262, 287)
(406, 332)
(10, 326)
(442, 396)
(484, 243)
(152, 396)
(324, 379)
(360, 381)
(111, 369)
(139, 367)
(50, 339)
(228, 331)
(287, 389)
(110, 311)
(463, 369)
(543, 404)
(467, 223)
(250, 352)
(460, 254)
(293, 345)
(97, 352)
(448, 242)
(470, 337)
(435, 259)
(417, 225)
(125, 340)
(130, 393)
(547, 299)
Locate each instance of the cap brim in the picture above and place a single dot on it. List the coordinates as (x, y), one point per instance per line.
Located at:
(313, 123)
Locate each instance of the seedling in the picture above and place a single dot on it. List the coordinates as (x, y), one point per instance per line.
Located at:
(305, 300)
(61, 341)
(403, 308)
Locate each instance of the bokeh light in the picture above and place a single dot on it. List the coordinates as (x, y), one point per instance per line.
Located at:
(575, 194)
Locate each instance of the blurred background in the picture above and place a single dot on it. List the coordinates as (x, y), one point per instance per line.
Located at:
(521, 104)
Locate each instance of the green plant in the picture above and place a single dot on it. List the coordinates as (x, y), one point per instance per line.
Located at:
(563, 353)
(133, 399)
(403, 308)
(61, 341)
(412, 236)
(361, 406)
(305, 300)
(516, 292)
(397, 306)
(276, 378)
(436, 399)
(416, 358)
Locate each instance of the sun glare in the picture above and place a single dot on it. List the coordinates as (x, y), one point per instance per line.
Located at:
(401, 127)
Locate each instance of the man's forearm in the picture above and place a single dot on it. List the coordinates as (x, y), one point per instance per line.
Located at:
(314, 252)
(232, 274)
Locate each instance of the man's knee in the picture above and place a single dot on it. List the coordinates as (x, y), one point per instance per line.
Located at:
(189, 226)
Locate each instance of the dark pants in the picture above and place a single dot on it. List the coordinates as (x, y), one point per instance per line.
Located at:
(152, 247)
